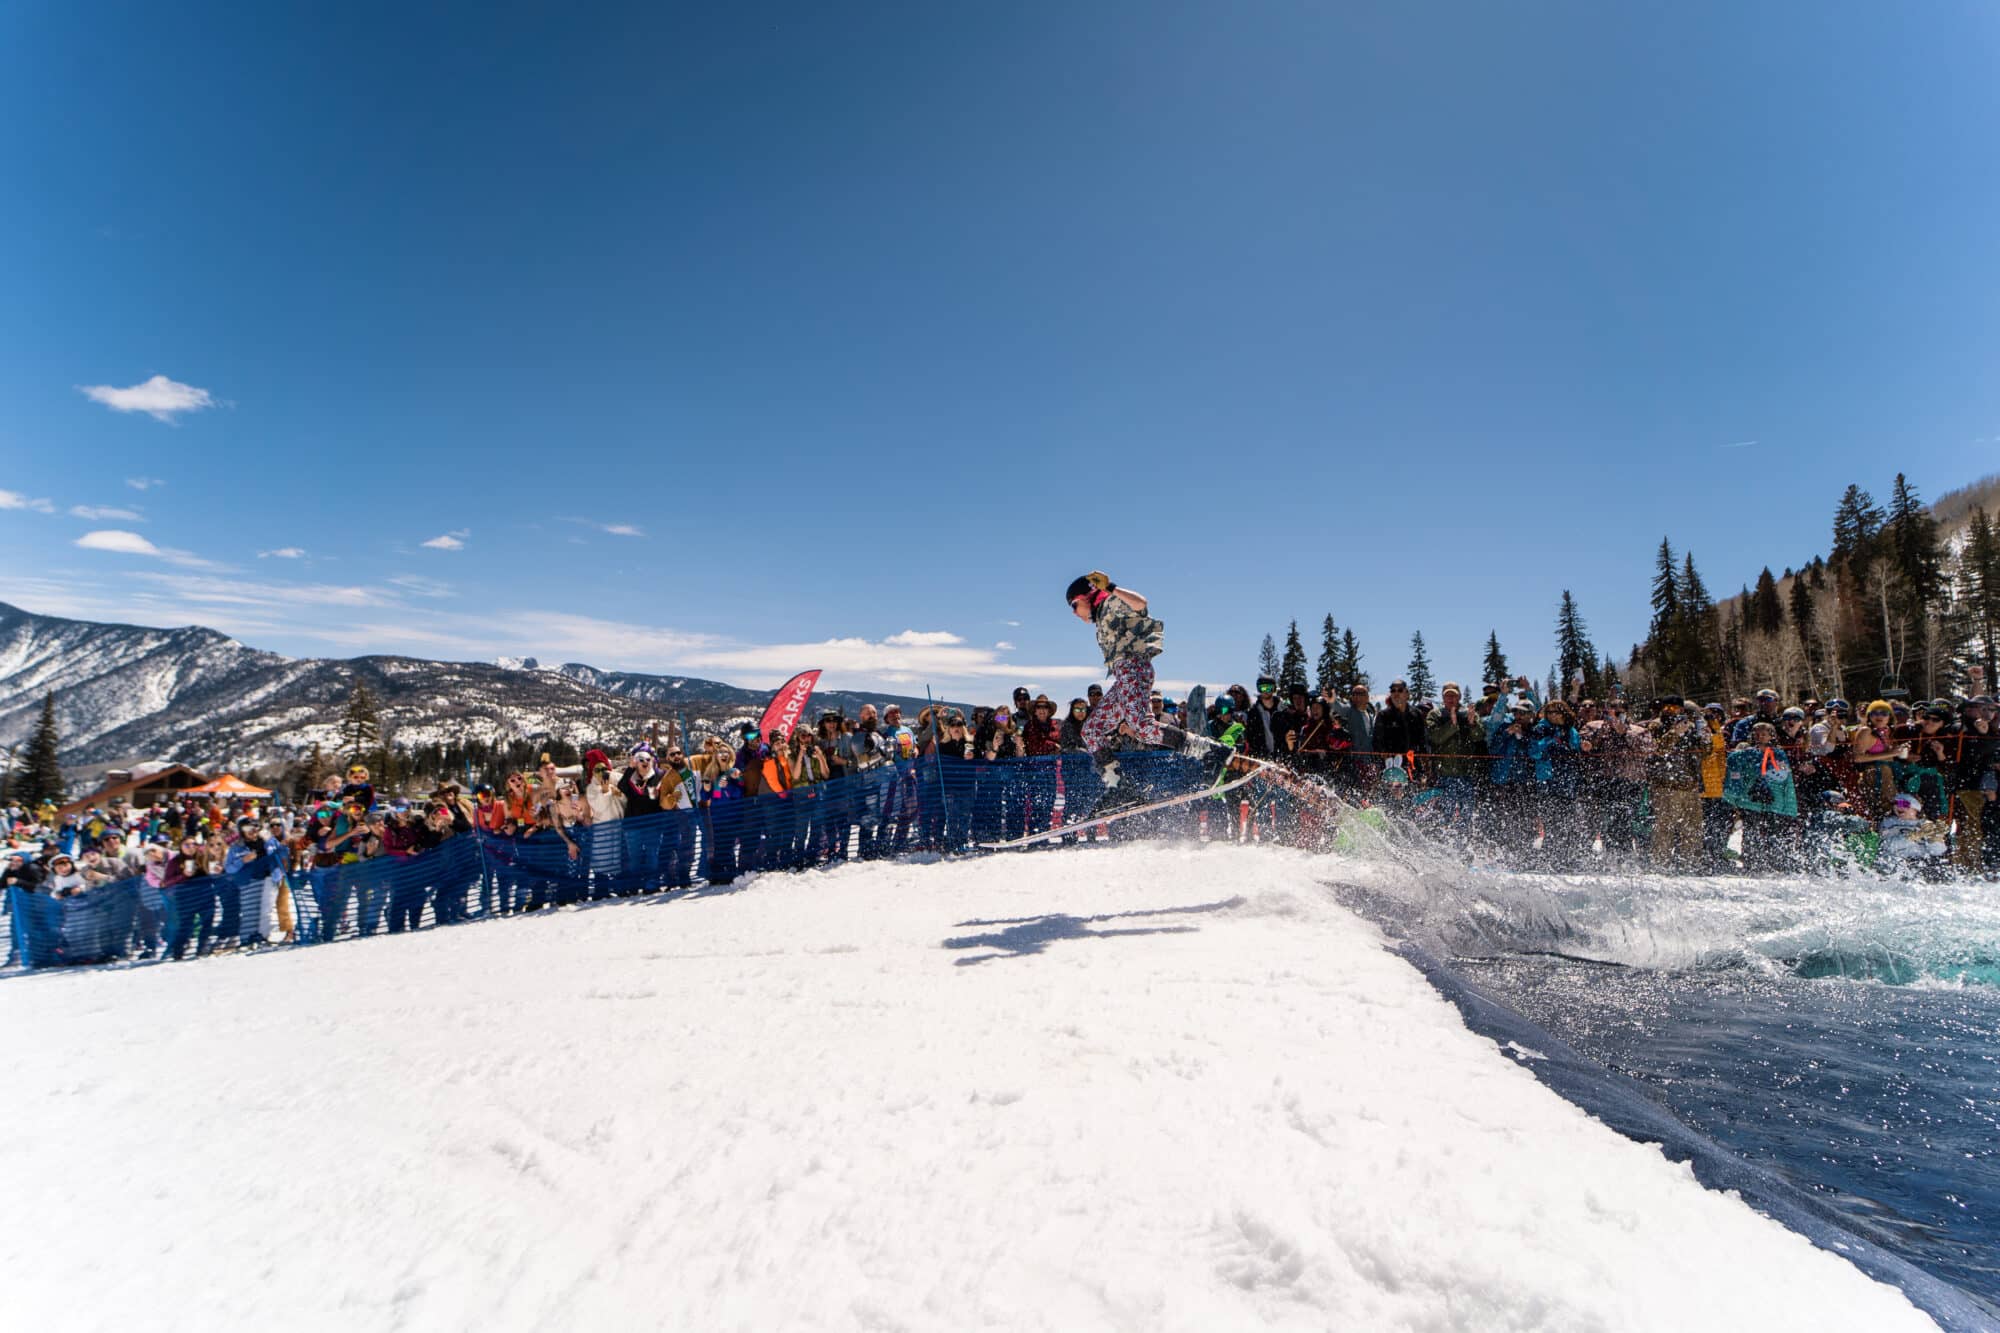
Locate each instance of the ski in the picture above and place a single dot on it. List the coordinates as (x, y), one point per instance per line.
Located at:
(1084, 825)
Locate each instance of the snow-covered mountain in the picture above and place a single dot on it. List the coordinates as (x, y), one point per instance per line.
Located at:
(200, 697)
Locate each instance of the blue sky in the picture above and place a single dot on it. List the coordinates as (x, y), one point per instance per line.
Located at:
(738, 339)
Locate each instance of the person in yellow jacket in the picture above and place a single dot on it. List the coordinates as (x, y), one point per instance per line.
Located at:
(1718, 817)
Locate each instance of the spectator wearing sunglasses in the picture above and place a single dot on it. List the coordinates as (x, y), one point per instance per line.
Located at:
(1043, 734)
(358, 789)
(1398, 728)
(1070, 736)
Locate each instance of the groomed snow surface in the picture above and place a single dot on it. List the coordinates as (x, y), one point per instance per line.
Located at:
(1137, 1088)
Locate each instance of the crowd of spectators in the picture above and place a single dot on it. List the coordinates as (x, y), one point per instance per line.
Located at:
(1677, 785)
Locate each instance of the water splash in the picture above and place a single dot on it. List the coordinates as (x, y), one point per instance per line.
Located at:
(1894, 931)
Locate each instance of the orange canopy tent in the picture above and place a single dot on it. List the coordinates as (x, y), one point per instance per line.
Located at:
(227, 785)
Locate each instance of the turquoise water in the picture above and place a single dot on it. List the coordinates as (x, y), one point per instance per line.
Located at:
(1882, 1101)
(1843, 1035)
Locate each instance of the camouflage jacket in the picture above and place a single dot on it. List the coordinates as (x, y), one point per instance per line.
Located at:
(1124, 632)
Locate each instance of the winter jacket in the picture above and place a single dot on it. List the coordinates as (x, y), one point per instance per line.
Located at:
(680, 788)
(1263, 731)
(1976, 752)
(1760, 778)
(1125, 631)
(1042, 737)
(1739, 730)
(1618, 750)
(1360, 722)
(1399, 731)
(1461, 735)
(1546, 756)
(1715, 762)
(1676, 761)
(641, 794)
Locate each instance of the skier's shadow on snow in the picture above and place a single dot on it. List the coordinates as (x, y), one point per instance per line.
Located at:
(1025, 935)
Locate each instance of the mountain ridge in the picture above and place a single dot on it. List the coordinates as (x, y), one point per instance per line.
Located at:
(194, 695)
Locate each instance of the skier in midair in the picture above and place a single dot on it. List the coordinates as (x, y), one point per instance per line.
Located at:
(1130, 639)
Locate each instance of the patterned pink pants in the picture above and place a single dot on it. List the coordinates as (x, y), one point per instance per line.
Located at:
(1128, 700)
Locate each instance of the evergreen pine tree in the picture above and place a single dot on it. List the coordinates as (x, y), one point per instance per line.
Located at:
(1767, 613)
(1856, 523)
(1495, 665)
(1802, 610)
(1292, 667)
(1982, 578)
(1913, 538)
(1267, 658)
(1663, 637)
(1697, 640)
(1574, 654)
(360, 728)
(1420, 678)
(1350, 659)
(1327, 672)
(1608, 679)
(41, 778)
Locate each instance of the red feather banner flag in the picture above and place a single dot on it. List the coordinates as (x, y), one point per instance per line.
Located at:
(788, 705)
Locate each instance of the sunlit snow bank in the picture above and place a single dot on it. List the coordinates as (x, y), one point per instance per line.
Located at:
(1142, 1088)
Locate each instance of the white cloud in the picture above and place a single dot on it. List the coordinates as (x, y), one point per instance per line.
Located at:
(283, 553)
(131, 543)
(1003, 647)
(1013, 624)
(159, 397)
(889, 661)
(450, 541)
(16, 500)
(615, 529)
(144, 483)
(419, 586)
(101, 512)
(1740, 444)
(398, 615)
(270, 596)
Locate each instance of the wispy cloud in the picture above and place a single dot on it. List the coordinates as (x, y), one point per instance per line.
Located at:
(615, 529)
(160, 398)
(450, 541)
(389, 618)
(144, 483)
(283, 553)
(1740, 444)
(102, 512)
(131, 543)
(275, 597)
(418, 586)
(1003, 647)
(16, 500)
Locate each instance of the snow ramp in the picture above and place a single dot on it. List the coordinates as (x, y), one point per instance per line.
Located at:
(1142, 1087)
